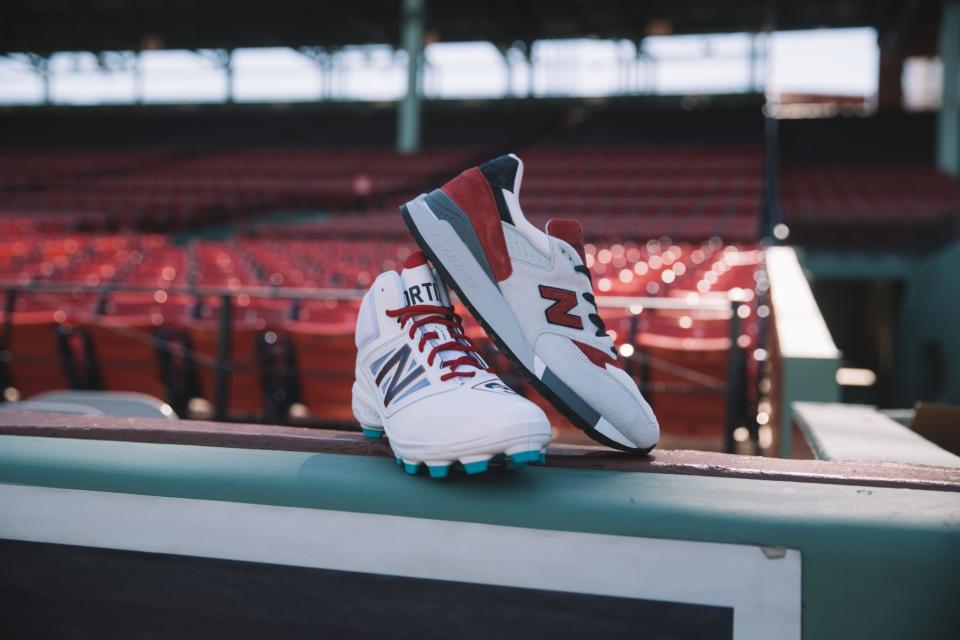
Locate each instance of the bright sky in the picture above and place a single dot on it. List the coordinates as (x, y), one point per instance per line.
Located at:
(839, 61)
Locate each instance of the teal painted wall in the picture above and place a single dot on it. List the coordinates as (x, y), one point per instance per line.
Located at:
(930, 315)
(877, 562)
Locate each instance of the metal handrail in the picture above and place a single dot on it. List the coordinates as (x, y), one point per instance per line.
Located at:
(312, 293)
(733, 389)
(304, 293)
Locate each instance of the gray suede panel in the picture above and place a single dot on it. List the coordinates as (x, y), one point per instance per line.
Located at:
(570, 398)
(448, 233)
(446, 209)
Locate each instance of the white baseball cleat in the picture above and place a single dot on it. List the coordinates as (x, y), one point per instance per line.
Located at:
(532, 293)
(420, 380)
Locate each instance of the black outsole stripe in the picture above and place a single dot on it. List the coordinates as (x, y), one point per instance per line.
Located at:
(530, 376)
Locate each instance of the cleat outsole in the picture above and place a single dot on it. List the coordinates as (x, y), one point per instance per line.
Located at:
(473, 468)
(523, 457)
(371, 434)
(476, 464)
(438, 470)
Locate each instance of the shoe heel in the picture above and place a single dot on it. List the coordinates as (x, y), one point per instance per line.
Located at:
(371, 424)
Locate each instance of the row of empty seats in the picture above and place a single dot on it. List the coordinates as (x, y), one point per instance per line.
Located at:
(119, 314)
(150, 189)
(618, 193)
(146, 311)
(867, 195)
(901, 208)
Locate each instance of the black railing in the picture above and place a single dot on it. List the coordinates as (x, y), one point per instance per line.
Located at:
(277, 362)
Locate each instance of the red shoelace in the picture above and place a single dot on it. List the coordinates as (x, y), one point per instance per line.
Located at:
(460, 342)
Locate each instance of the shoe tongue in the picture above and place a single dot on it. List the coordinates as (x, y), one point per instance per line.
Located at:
(517, 175)
(504, 172)
(570, 232)
(518, 179)
(419, 284)
(422, 286)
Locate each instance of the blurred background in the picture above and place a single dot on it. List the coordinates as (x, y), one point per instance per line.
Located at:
(193, 195)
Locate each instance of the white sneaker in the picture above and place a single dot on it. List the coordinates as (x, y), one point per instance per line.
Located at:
(421, 381)
(532, 293)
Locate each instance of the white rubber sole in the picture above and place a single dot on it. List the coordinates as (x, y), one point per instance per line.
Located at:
(527, 445)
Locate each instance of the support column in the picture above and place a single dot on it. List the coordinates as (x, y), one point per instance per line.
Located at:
(508, 64)
(408, 110)
(41, 66)
(890, 80)
(45, 74)
(228, 68)
(948, 124)
(639, 67)
(531, 68)
(138, 77)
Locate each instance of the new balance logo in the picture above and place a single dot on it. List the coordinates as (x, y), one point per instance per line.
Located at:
(396, 384)
(559, 312)
(495, 386)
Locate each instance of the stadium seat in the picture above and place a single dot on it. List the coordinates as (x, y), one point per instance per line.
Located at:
(127, 353)
(686, 387)
(39, 353)
(325, 357)
(244, 389)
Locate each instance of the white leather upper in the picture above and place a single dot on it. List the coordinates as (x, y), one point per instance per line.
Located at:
(441, 415)
(539, 259)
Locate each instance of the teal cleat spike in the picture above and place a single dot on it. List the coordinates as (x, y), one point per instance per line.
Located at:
(438, 471)
(523, 457)
(542, 457)
(372, 434)
(476, 467)
(399, 461)
(412, 469)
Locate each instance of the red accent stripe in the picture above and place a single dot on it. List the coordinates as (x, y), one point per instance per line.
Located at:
(471, 191)
(596, 356)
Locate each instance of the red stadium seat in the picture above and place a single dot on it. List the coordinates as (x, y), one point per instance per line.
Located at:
(39, 353)
(686, 388)
(127, 354)
(326, 356)
(244, 390)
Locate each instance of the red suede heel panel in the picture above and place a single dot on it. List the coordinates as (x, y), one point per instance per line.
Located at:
(471, 191)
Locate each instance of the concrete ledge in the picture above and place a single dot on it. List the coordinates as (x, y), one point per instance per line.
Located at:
(861, 433)
(805, 357)
(278, 438)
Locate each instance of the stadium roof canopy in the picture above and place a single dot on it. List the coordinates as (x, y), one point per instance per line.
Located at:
(44, 26)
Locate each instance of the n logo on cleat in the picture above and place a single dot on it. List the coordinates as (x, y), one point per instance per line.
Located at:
(559, 312)
(395, 385)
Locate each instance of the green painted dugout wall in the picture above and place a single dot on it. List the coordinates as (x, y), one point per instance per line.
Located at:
(927, 352)
(928, 344)
(876, 562)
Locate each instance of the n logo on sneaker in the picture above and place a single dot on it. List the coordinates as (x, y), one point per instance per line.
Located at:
(559, 312)
(395, 385)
